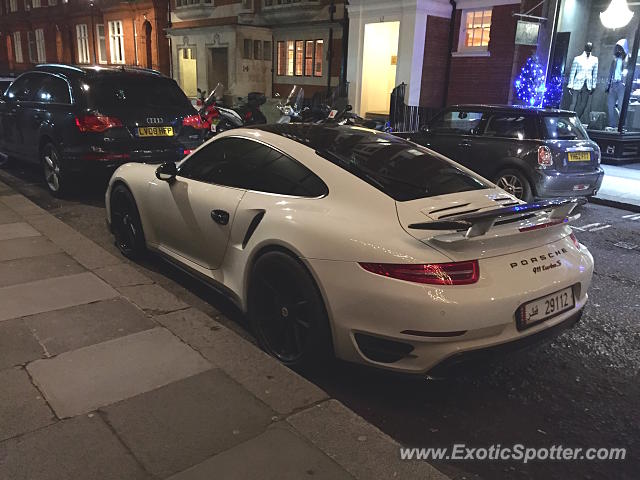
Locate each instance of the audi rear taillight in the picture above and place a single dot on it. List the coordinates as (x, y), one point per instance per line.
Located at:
(195, 121)
(456, 273)
(545, 159)
(97, 123)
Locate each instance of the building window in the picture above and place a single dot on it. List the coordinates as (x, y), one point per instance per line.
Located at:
(40, 48)
(102, 44)
(82, 35)
(317, 71)
(475, 31)
(13, 5)
(187, 71)
(31, 46)
(17, 47)
(27, 5)
(257, 50)
(309, 49)
(290, 58)
(52, 3)
(282, 59)
(36, 3)
(299, 57)
(266, 50)
(246, 51)
(116, 41)
(247, 4)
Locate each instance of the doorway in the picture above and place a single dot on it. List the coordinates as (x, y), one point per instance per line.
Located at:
(218, 67)
(147, 44)
(379, 60)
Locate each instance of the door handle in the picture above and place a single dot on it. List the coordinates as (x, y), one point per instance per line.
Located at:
(220, 216)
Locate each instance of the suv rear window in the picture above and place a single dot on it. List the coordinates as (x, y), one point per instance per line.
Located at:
(563, 127)
(136, 91)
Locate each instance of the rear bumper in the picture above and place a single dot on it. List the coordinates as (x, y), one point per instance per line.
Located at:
(560, 184)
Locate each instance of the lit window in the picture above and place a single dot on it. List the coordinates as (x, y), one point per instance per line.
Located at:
(102, 44)
(17, 47)
(299, 56)
(282, 59)
(35, 3)
(318, 58)
(116, 41)
(82, 35)
(40, 48)
(290, 57)
(309, 47)
(476, 29)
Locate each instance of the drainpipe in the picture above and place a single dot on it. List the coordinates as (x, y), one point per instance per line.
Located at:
(447, 75)
(332, 9)
(345, 46)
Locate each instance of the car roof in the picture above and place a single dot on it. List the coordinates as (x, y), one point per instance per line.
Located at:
(511, 108)
(89, 71)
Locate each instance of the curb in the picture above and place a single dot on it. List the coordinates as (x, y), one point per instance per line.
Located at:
(357, 446)
(615, 204)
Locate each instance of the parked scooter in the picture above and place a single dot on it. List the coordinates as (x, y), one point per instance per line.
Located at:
(219, 119)
(249, 109)
(292, 111)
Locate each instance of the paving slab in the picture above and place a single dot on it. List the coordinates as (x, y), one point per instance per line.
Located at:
(153, 298)
(356, 445)
(26, 247)
(82, 380)
(52, 294)
(122, 275)
(185, 422)
(75, 327)
(29, 269)
(82, 448)
(277, 454)
(8, 216)
(282, 389)
(17, 344)
(17, 230)
(22, 408)
(21, 204)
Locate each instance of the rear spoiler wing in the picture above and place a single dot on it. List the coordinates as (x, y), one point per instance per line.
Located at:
(469, 225)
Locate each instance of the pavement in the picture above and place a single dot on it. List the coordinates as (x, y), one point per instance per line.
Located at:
(107, 375)
(620, 187)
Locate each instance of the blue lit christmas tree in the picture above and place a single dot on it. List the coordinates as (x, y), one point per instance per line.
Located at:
(530, 84)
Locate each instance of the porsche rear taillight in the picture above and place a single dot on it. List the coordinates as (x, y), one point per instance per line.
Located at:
(456, 273)
(97, 123)
(574, 239)
(545, 159)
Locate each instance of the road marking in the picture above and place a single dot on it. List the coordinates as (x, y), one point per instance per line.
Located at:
(585, 227)
(599, 228)
(630, 215)
(626, 245)
(637, 217)
(577, 228)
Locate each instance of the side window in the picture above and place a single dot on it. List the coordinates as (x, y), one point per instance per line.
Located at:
(243, 163)
(53, 90)
(511, 126)
(23, 88)
(457, 122)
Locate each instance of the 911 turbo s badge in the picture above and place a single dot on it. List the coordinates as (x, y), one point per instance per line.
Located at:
(541, 258)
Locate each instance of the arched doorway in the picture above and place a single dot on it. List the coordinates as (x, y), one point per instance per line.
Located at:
(147, 44)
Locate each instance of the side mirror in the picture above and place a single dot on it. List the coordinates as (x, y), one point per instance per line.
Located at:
(166, 172)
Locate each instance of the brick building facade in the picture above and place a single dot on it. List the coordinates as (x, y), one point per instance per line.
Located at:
(101, 32)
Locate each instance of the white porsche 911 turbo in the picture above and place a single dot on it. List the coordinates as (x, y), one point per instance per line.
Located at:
(347, 241)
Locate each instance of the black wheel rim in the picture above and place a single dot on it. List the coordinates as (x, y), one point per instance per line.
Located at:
(124, 227)
(511, 184)
(283, 314)
(51, 165)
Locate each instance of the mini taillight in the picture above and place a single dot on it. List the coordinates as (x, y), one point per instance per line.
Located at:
(97, 123)
(457, 273)
(574, 239)
(194, 121)
(545, 159)
(186, 151)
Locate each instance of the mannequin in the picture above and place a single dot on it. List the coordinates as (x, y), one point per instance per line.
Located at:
(615, 84)
(583, 79)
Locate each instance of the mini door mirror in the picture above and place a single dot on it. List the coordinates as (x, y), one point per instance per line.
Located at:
(166, 172)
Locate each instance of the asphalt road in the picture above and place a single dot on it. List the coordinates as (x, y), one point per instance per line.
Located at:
(579, 390)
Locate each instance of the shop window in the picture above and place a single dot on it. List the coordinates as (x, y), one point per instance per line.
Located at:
(318, 58)
(475, 30)
(116, 41)
(102, 43)
(83, 43)
(17, 47)
(246, 51)
(299, 57)
(40, 47)
(187, 71)
(266, 50)
(257, 50)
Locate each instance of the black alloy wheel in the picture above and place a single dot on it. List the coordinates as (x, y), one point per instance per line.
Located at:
(55, 176)
(126, 224)
(287, 313)
(515, 183)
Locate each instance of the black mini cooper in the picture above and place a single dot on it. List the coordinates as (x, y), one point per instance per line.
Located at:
(75, 119)
(529, 152)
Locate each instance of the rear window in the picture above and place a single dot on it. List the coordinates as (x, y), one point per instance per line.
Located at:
(136, 91)
(402, 170)
(563, 127)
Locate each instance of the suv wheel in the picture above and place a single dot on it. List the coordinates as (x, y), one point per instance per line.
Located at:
(55, 175)
(515, 183)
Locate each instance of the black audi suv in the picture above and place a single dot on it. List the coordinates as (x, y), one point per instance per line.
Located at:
(72, 120)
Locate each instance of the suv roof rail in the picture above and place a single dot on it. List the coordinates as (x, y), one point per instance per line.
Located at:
(60, 65)
(142, 69)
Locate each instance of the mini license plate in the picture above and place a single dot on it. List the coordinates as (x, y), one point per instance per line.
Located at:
(155, 131)
(545, 308)
(214, 125)
(579, 156)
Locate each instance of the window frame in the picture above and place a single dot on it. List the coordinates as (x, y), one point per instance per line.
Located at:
(31, 46)
(281, 58)
(320, 58)
(298, 63)
(41, 45)
(62, 79)
(101, 53)
(82, 39)
(462, 43)
(247, 49)
(17, 47)
(13, 6)
(116, 36)
(258, 53)
(267, 50)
